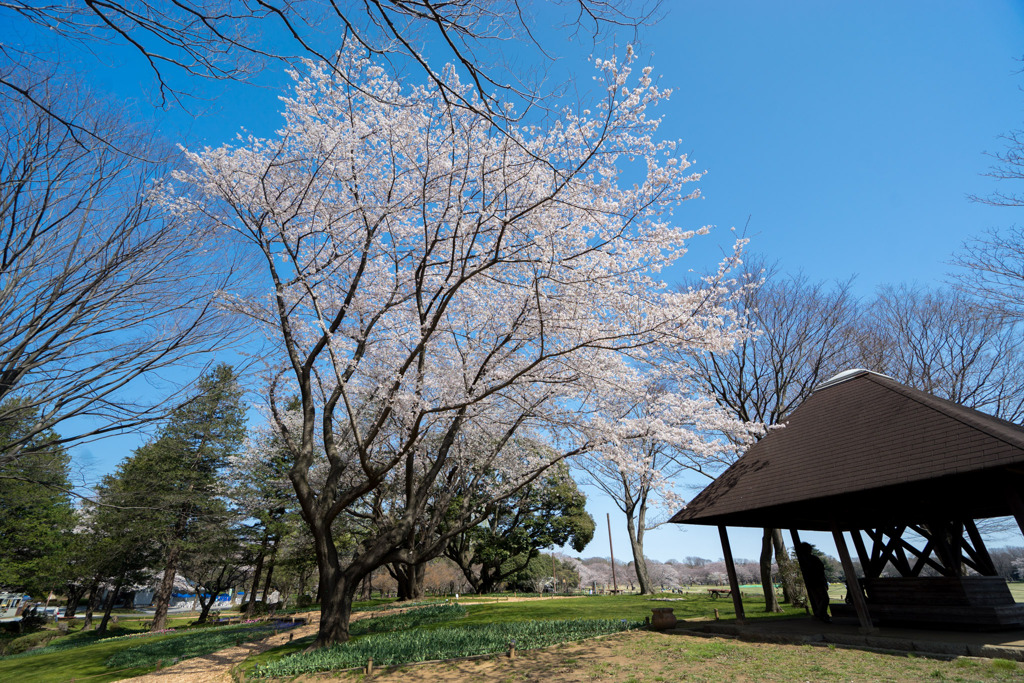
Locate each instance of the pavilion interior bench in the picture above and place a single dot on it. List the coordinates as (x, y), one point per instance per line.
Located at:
(979, 602)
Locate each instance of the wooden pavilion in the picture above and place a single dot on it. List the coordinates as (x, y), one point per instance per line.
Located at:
(905, 474)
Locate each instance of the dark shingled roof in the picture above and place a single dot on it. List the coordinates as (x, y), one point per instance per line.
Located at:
(866, 451)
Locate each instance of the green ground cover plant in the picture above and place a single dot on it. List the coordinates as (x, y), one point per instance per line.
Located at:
(57, 643)
(444, 643)
(417, 617)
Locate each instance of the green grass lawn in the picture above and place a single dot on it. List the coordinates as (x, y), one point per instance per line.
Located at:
(89, 660)
(64, 665)
(634, 607)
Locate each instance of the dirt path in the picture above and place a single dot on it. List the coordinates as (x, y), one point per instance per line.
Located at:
(215, 667)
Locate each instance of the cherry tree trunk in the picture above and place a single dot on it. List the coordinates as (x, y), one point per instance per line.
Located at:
(204, 613)
(789, 572)
(336, 593)
(771, 603)
(636, 543)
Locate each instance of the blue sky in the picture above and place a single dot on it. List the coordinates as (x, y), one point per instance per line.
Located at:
(850, 134)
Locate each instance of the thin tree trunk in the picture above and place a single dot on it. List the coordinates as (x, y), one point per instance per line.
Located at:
(251, 604)
(110, 604)
(771, 603)
(270, 574)
(163, 596)
(204, 608)
(89, 604)
(635, 527)
(789, 572)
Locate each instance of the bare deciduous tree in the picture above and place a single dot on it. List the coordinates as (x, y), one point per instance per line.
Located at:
(804, 332)
(180, 42)
(947, 344)
(993, 263)
(993, 271)
(100, 289)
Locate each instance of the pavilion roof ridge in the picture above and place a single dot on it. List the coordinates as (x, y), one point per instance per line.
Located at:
(996, 427)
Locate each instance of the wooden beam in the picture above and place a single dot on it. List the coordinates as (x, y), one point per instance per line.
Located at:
(862, 553)
(730, 568)
(796, 537)
(987, 567)
(853, 587)
(1016, 505)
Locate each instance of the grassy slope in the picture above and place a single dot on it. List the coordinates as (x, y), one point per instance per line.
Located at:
(58, 667)
(78, 663)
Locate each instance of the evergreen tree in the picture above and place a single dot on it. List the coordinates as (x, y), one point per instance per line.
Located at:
(174, 481)
(118, 543)
(263, 495)
(551, 511)
(36, 515)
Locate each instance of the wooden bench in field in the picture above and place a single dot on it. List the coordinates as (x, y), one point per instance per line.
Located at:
(719, 592)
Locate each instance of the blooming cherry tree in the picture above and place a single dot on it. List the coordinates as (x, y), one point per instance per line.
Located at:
(670, 432)
(443, 291)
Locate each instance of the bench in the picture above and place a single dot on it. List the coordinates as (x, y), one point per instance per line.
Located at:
(719, 592)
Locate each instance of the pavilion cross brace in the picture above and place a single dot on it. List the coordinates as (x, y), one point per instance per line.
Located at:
(945, 549)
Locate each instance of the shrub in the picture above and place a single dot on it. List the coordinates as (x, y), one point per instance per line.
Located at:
(32, 622)
(29, 642)
(258, 609)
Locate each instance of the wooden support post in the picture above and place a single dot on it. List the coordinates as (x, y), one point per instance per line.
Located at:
(730, 568)
(796, 538)
(1016, 505)
(862, 553)
(853, 586)
(981, 552)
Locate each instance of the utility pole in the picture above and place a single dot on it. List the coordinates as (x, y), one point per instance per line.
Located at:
(615, 584)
